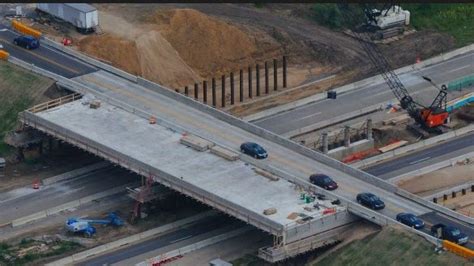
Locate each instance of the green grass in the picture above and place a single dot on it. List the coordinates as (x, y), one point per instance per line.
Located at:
(17, 95)
(8, 251)
(391, 247)
(455, 19)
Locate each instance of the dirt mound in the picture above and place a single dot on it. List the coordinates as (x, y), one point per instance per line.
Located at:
(120, 52)
(160, 62)
(208, 45)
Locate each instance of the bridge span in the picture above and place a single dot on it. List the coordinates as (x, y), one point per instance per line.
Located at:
(119, 131)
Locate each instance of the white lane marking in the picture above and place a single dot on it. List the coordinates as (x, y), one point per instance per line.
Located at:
(420, 160)
(459, 68)
(183, 238)
(315, 114)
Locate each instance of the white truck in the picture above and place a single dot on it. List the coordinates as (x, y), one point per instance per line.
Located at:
(83, 16)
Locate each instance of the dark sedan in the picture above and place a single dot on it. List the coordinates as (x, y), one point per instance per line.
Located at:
(254, 150)
(370, 200)
(411, 220)
(323, 181)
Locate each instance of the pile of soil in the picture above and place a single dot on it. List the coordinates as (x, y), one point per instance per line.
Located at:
(120, 52)
(207, 44)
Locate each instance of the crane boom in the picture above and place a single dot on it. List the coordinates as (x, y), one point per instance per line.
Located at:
(428, 117)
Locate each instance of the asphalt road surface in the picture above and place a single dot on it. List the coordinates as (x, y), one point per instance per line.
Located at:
(368, 95)
(433, 218)
(44, 57)
(163, 240)
(25, 201)
(416, 160)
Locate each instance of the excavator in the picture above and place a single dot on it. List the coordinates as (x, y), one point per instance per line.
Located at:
(429, 119)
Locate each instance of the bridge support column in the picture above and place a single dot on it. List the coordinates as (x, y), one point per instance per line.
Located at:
(257, 79)
(186, 91)
(325, 143)
(232, 91)
(196, 91)
(223, 91)
(275, 75)
(369, 129)
(347, 136)
(241, 85)
(213, 84)
(250, 81)
(284, 71)
(204, 91)
(266, 78)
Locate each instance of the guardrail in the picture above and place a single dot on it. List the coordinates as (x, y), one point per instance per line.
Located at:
(55, 103)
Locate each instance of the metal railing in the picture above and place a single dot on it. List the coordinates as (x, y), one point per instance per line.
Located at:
(55, 103)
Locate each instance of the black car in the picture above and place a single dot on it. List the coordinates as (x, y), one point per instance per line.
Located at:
(254, 150)
(449, 233)
(411, 220)
(27, 42)
(323, 181)
(370, 200)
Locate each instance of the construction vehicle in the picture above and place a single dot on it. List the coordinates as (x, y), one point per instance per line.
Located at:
(428, 118)
(84, 226)
(387, 22)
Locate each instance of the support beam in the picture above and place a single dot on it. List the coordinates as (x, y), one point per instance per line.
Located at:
(250, 81)
(284, 71)
(347, 136)
(223, 91)
(204, 91)
(232, 91)
(213, 92)
(186, 91)
(196, 91)
(257, 79)
(241, 84)
(266, 78)
(369, 129)
(325, 143)
(275, 75)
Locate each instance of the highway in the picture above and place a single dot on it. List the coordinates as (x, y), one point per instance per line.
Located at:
(45, 57)
(369, 95)
(222, 133)
(422, 158)
(25, 201)
(165, 242)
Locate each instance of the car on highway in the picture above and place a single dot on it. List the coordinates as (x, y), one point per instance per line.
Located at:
(409, 219)
(27, 42)
(370, 200)
(449, 233)
(323, 181)
(254, 150)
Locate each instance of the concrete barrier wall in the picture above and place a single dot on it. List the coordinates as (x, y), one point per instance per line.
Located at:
(431, 168)
(68, 205)
(405, 149)
(358, 84)
(131, 239)
(193, 247)
(89, 60)
(335, 120)
(75, 173)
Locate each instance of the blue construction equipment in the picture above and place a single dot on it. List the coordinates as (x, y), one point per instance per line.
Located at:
(84, 226)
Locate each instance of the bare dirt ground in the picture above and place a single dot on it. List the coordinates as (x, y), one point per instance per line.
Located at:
(180, 44)
(439, 180)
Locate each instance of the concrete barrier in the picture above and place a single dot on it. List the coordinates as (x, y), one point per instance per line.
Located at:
(131, 239)
(68, 205)
(405, 149)
(458, 250)
(89, 60)
(353, 86)
(75, 173)
(195, 246)
(431, 168)
(333, 121)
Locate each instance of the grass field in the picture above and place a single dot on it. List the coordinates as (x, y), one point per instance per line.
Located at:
(391, 247)
(19, 90)
(453, 19)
